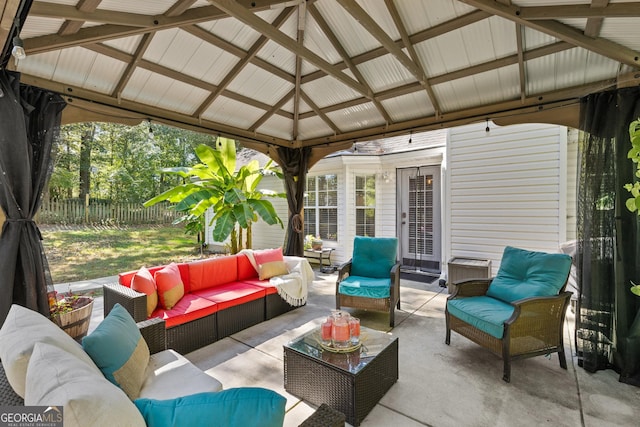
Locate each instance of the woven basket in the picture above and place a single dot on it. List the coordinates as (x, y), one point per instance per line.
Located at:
(76, 322)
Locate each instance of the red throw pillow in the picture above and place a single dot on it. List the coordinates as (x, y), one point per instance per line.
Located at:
(144, 282)
(170, 286)
(270, 263)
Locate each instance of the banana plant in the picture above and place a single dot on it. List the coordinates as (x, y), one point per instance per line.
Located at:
(633, 203)
(232, 195)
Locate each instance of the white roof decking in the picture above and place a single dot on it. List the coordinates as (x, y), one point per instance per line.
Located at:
(312, 73)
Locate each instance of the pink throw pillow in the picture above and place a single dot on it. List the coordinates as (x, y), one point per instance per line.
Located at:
(144, 282)
(270, 263)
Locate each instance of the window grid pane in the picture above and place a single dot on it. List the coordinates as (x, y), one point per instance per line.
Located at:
(321, 211)
(365, 191)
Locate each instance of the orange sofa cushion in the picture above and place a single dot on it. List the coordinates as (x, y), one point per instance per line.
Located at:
(190, 307)
(231, 294)
(212, 272)
(245, 268)
(265, 284)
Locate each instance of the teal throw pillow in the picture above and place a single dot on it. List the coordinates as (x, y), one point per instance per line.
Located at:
(525, 274)
(245, 406)
(118, 349)
(373, 256)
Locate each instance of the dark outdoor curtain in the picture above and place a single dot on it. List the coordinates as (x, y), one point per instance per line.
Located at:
(29, 126)
(608, 318)
(294, 162)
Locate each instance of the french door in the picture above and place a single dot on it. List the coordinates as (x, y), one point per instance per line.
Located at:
(419, 217)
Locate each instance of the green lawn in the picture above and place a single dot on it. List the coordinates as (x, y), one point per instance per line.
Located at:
(90, 252)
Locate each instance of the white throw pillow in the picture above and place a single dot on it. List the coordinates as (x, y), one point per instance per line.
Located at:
(21, 330)
(55, 378)
(170, 375)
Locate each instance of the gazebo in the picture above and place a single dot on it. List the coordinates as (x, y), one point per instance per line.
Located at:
(300, 79)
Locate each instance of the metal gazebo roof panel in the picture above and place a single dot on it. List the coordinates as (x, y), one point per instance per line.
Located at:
(230, 112)
(168, 94)
(317, 72)
(408, 107)
(385, 73)
(262, 87)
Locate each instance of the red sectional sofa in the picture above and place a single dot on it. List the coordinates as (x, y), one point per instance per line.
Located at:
(222, 296)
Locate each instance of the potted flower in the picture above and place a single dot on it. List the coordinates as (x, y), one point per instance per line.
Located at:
(312, 242)
(71, 312)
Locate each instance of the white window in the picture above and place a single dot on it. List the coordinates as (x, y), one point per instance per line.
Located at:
(366, 205)
(321, 207)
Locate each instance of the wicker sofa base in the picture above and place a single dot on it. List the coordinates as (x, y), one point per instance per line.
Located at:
(8, 397)
(274, 306)
(239, 317)
(190, 336)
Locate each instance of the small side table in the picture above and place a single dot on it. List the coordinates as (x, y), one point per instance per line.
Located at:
(324, 252)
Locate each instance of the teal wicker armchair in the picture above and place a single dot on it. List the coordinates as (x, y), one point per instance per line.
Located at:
(519, 313)
(371, 279)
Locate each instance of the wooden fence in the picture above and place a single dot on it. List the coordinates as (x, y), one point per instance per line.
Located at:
(75, 211)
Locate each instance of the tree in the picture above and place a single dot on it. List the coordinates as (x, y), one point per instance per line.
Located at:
(86, 141)
(233, 195)
(120, 163)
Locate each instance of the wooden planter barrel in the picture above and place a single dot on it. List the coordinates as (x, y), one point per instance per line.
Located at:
(76, 322)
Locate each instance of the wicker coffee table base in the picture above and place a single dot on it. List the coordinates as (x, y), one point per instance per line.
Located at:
(354, 395)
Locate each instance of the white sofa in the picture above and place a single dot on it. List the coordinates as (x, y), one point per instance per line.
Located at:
(47, 367)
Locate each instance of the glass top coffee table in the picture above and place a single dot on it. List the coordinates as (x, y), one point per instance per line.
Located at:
(352, 383)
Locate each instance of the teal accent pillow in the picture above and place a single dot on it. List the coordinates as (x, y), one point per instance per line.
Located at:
(525, 274)
(373, 256)
(246, 406)
(119, 351)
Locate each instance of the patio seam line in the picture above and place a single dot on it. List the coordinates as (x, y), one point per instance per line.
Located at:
(411, 313)
(254, 348)
(405, 415)
(574, 351)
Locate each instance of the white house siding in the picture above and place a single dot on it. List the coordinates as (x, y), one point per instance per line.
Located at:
(263, 234)
(271, 236)
(572, 180)
(506, 187)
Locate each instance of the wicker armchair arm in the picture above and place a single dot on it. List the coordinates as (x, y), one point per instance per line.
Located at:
(471, 288)
(344, 270)
(154, 333)
(548, 310)
(394, 292)
(134, 302)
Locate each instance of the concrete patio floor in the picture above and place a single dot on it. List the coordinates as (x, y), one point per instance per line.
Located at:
(439, 385)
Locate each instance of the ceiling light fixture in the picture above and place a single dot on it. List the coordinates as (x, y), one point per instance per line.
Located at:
(410, 137)
(151, 135)
(18, 45)
(487, 128)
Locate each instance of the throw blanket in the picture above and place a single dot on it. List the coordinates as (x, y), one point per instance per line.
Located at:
(292, 287)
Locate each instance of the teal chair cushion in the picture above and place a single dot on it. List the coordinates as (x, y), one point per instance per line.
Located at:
(373, 256)
(245, 406)
(368, 287)
(525, 274)
(482, 312)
